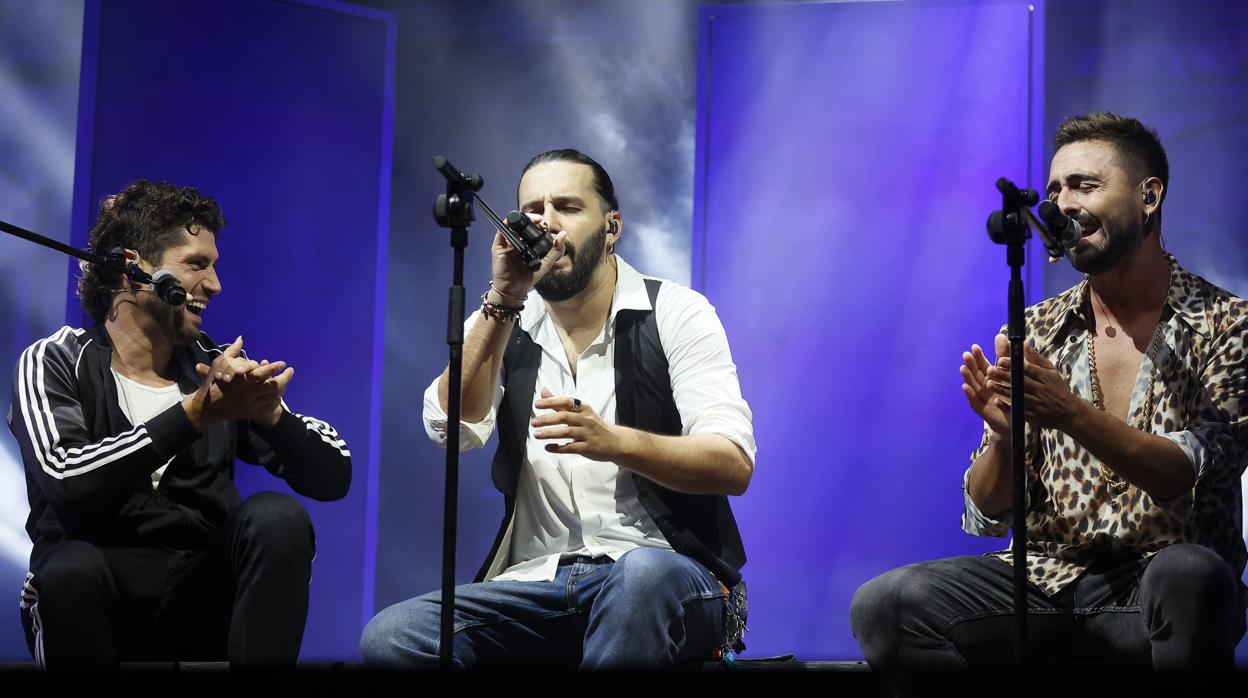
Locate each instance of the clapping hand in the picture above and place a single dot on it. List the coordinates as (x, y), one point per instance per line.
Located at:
(235, 387)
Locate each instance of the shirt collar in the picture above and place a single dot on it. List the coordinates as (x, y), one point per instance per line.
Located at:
(630, 294)
(1071, 310)
(1183, 300)
(1187, 299)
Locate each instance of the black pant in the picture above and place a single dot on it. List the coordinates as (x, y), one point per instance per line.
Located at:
(1178, 609)
(243, 598)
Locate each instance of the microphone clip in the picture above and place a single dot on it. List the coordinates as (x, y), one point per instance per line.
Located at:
(454, 210)
(1012, 223)
(1008, 226)
(164, 283)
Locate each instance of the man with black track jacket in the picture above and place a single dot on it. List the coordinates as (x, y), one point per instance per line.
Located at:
(129, 431)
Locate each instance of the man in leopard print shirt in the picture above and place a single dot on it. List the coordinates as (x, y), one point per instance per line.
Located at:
(1136, 387)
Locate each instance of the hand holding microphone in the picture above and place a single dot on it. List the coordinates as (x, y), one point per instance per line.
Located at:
(513, 273)
(530, 242)
(532, 245)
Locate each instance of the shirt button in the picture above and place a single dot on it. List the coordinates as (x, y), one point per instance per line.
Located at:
(1073, 339)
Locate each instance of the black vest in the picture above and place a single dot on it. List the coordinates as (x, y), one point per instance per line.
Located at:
(700, 526)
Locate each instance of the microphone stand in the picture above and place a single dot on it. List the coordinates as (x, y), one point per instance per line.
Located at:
(110, 261)
(1010, 227)
(453, 210)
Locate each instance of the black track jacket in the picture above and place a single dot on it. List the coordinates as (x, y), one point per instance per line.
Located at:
(88, 470)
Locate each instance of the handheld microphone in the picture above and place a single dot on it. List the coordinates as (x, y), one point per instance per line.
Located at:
(530, 242)
(1065, 229)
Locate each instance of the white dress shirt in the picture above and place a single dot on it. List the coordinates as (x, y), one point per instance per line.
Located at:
(566, 504)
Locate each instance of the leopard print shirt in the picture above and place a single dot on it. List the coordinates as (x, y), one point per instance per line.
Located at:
(1201, 394)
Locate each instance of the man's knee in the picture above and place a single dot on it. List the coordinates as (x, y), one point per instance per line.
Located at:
(883, 600)
(1192, 573)
(1191, 608)
(377, 644)
(1190, 590)
(70, 615)
(271, 517)
(905, 596)
(876, 603)
(403, 636)
(72, 575)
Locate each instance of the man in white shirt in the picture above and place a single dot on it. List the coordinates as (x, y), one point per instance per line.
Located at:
(621, 433)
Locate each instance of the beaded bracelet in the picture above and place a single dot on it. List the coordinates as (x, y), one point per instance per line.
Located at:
(498, 311)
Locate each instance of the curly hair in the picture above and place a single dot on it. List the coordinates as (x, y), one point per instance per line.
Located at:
(1138, 143)
(149, 218)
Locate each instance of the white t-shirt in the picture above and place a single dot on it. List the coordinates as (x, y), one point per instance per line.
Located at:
(142, 402)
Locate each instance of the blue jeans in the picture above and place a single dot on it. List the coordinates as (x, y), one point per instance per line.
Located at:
(650, 608)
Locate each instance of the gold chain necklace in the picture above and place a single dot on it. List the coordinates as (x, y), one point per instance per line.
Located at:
(1098, 401)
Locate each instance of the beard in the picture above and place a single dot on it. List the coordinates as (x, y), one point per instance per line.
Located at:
(170, 320)
(1118, 238)
(561, 285)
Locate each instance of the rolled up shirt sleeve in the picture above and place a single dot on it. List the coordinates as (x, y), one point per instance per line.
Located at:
(1192, 443)
(974, 521)
(705, 385)
(471, 434)
(1218, 436)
